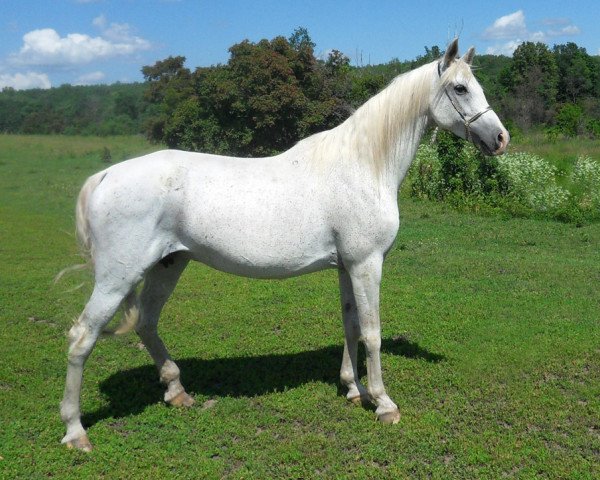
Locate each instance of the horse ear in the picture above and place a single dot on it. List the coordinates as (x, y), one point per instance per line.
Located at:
(468, 57)
(451, 53)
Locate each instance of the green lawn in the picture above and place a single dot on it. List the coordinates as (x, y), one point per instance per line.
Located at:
(491, 349)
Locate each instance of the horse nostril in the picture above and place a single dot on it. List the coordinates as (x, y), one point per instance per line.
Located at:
(500, 138)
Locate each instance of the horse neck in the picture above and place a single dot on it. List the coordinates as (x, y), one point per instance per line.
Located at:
(388, 128)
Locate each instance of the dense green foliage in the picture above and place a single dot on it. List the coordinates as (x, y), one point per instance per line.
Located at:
(490, 349)
(274, 92)
(518, 183)
(543, 86)
(269, 95)
(91, 110)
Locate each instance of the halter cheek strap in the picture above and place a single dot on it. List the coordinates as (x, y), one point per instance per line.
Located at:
(467, 121)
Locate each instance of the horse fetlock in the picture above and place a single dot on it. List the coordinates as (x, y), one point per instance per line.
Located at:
(347, 378)
(357, 393)
(380, 397)
(68, 412)
(169, 372)
(74, 430)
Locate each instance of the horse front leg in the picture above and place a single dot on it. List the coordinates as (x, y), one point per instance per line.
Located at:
(349, 377)
(366, 278)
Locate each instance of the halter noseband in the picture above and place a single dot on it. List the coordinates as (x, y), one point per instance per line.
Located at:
(466, 121)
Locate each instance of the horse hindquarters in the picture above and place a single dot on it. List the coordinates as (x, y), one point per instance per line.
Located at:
(121, 253)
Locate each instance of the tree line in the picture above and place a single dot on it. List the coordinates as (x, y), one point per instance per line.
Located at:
(117, 109)
(274, 92)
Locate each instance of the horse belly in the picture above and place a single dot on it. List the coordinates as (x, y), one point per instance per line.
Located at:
(259, 239)
(261, 254)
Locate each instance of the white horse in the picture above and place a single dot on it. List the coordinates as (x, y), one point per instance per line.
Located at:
(328, 202)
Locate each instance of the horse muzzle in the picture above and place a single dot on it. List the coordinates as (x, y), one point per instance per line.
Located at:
(494, 146)
(502, 141)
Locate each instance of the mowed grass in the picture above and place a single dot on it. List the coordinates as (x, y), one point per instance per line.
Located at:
(491, 349)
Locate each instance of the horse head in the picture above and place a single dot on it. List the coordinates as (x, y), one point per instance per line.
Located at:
(458, 103)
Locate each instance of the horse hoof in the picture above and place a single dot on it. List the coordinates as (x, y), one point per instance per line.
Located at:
(182, 400)
(360, 400)
(389, 418)
(82, 443)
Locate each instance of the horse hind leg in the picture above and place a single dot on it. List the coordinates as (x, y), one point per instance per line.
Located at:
(83, 335)
(159, 283)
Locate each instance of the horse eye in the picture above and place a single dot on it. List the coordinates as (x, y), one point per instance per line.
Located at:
(460, 89)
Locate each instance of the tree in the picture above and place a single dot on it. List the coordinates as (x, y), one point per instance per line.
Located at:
(575, 72)
(531, 83)
(168, 84)
(269, 95)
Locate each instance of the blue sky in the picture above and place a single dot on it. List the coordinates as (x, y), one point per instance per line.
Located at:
(46, 43)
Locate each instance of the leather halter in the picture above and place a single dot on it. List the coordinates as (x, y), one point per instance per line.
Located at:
(466, 121)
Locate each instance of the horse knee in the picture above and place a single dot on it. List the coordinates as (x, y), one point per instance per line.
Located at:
(376, 392)
(372, 342)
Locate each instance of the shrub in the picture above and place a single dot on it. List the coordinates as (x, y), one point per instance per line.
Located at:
(570, 120)
(593, 128)
(521, 184)
(451, 167)
(531, 181)
(586, 185)
(551, 134)
(458, 164)
(426, 173)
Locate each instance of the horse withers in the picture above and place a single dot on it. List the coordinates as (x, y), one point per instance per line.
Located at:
(328, 202)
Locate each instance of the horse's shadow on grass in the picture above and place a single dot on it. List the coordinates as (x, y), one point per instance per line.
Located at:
(129, 392)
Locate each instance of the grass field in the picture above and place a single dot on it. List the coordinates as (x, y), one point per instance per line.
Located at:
(491, 349)
(562, 152)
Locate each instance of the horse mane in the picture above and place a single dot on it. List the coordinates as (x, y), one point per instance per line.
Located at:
(373, 133)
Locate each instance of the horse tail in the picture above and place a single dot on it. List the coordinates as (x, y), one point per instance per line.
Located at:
(82, 226)
(131, 316)
(82, 229)
(82, 221)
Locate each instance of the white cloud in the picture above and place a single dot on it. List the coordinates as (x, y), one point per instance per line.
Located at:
(507, 48)
(23, 81)
(508, 26)
(90, 78)
(100, 21)
(45, 47)
(569, 30)
(556, 21)
(513, 29)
